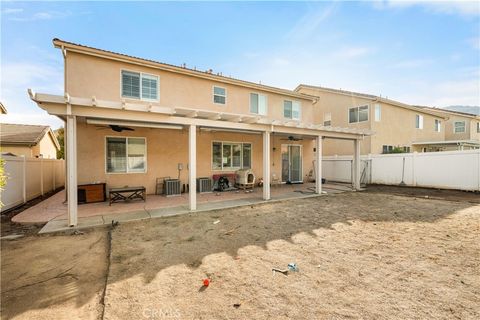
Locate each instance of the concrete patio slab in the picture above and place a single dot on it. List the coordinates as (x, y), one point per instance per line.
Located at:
(59, 225)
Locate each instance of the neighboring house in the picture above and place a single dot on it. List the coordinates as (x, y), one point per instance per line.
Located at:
(3, 110)
(462, 132)
(130, 121)
(28, 140)
(397, 126)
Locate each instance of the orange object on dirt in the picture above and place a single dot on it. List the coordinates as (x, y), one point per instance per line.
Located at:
(206, 282)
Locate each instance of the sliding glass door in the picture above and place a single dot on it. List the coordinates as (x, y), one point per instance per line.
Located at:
(292, 163)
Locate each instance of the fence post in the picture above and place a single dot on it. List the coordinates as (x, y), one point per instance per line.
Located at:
(414, 175)
(370, 167)
(24, 180)
(54, 168)
(41, 176)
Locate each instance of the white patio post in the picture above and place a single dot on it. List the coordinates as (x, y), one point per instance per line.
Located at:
(318, 167)
(266, 165)
(71, 155)
(192, 167)
(356, 164)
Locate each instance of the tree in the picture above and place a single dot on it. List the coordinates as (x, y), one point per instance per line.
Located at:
(61, 140)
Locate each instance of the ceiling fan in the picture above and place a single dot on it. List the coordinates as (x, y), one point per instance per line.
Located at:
(292, 138)
(115, 128)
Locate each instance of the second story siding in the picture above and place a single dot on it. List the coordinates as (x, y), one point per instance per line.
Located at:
(88, 76)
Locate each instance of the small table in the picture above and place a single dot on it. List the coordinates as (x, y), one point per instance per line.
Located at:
(127, 194)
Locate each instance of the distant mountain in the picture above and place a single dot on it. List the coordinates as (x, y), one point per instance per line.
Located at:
(467, 109)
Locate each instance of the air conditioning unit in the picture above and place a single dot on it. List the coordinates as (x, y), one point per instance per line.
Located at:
(204, 185)
(172, 187)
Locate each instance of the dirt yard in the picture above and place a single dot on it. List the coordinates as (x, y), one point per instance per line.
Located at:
(369, 255)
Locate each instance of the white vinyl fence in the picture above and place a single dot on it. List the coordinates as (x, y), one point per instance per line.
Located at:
(446, 170)
(28, 178)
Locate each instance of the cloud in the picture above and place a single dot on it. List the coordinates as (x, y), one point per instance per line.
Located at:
(42, 15)
(16, 78)
(475, 42)
(12, 10)
(464, 8)
(353, 52)
(413, 63)
(311, 21)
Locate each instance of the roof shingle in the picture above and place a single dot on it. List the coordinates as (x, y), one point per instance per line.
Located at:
(22, 133)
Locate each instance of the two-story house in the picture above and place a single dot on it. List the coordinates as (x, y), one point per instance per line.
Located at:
(397, 126)
(130, 121)
(462, 132)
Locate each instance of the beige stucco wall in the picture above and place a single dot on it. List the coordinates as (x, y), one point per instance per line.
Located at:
(474, 134)
(18, 150)
(88, 76)
(165, 149)
(45, 147)
(470, 128)
(337, 105)
(396, 126)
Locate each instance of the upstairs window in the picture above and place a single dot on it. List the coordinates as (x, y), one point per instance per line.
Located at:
(419, 121)
(358, 114)
(126, 155)
(459, 127)
(478, 127)
(327, 119)
(219, 95)
(378, 113)
(291, 109)
(438, 125)
(139, 85)
(258, 104)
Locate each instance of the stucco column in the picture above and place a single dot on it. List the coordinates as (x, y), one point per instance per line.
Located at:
(318, 165)
(266, 165)
(356, 164)
(71, 156)
(192, 167)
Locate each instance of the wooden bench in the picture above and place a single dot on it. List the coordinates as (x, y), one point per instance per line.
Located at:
(127, 194)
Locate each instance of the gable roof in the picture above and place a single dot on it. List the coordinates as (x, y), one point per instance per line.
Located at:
(373, 98)
(75, 47)
(24, 134)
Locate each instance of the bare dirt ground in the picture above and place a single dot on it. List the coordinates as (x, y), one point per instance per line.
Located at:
(368, 255)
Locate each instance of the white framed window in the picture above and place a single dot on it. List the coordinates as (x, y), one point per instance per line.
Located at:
(125, 155)
(291, 109)
(358, 114)
(478, 127)
(327, 119)
(459, 127)
(419, 121)
(228, 156)
(378, 113)
(438, 125)
(258, 103)
(219, 95)
(136, 85)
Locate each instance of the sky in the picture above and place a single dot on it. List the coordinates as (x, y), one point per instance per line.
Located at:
(422, 53)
